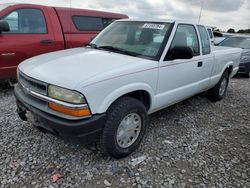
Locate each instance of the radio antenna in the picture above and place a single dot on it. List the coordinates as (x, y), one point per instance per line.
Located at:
(202, 3)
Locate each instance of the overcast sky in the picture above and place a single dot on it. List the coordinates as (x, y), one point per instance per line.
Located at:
(223, 14)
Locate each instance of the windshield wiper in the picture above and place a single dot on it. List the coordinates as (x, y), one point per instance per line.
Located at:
(113, 49)
(119, 50)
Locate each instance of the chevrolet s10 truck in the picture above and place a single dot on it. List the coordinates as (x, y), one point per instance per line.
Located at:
(27, 30)
(105, 91)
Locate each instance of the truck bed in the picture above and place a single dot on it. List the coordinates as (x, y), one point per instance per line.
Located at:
(223, 56)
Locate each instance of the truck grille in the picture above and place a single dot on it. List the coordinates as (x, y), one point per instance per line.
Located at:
(32, 84)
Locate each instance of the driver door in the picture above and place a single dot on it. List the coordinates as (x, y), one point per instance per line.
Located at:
(28, 37)
(179, 79)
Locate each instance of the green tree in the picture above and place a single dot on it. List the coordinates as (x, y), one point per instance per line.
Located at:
(244, 31)
(231, 30)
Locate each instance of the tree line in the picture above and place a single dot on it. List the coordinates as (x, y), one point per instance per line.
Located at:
(231, 30)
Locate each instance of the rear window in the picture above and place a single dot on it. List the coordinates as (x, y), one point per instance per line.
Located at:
(86, 23)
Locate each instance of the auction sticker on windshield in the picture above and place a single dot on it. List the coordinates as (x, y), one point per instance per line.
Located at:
(153, 26)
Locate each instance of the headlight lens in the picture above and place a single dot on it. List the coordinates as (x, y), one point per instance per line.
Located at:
(65, 95)
(84, 112)
(245, 58)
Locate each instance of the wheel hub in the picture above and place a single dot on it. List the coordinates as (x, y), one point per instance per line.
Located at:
(129, 130)
(223, 87)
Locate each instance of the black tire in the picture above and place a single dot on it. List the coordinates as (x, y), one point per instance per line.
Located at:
(248, 74)
(214, 94)
(116, 113)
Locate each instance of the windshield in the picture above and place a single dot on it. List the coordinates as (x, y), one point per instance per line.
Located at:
(237, 42)
(133, 38)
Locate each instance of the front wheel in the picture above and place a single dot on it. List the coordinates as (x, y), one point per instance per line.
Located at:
(248, 74)
(219, 90)
(125, 127)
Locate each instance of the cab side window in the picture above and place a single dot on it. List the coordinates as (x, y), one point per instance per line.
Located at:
(107, 21)
(186, 36)
(204, 40)
(26, 21)
(88, 23)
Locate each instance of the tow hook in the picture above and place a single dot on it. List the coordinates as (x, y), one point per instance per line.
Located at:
(22, 114)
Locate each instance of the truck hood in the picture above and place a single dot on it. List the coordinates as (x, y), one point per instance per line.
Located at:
(68, 68)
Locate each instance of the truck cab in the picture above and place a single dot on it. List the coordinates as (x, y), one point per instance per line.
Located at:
(28, 30)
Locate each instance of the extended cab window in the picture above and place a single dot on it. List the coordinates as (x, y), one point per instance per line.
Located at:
(87, 23)
(186, 36)
(107, 21)
(205, 42)
(84, 23)
(26, 21)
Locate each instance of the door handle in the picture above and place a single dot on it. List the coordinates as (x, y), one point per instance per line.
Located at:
(8, 54)
(47, 41)
(200, 63)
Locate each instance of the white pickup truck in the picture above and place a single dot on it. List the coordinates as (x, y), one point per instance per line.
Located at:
(133, 68)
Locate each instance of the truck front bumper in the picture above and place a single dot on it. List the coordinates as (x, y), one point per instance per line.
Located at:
(77, 131)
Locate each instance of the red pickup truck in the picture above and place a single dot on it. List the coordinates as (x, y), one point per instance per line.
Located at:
(28, 30)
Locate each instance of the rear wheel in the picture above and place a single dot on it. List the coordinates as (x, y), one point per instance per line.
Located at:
(219, 90)
(125, 128)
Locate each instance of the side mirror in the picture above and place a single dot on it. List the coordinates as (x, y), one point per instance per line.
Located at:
(181, 52)
(4, 26)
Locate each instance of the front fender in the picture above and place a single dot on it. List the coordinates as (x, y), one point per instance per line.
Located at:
(101, 96)
(112, 97)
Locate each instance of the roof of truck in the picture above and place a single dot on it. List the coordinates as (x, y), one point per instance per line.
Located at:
(90, 12)
(159, 20)
(66, 9)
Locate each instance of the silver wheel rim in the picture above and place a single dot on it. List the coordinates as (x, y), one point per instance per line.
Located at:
(129, 130)
(223, 87)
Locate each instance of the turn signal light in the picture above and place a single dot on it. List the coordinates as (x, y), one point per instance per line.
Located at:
(70, 111)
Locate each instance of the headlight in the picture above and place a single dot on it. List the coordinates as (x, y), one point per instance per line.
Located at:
(65, 95)
(79, 107)
(245, 58)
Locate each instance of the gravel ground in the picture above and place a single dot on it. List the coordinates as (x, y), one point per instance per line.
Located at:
(195, 143)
